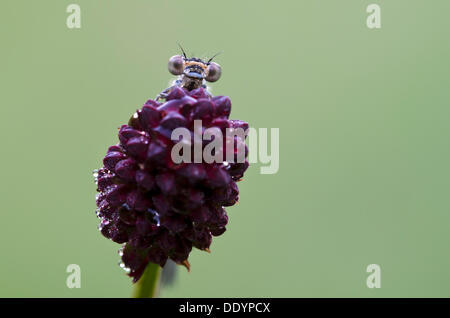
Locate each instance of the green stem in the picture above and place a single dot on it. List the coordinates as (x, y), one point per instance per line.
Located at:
(148, 285)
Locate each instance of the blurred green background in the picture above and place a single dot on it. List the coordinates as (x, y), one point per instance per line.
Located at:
(364, 142)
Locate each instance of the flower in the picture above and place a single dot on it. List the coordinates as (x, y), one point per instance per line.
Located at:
(159, 209)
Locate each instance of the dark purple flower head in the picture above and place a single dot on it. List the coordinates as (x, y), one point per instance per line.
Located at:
(156, 208)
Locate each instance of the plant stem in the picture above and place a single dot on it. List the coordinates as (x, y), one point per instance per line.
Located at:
(148, 285)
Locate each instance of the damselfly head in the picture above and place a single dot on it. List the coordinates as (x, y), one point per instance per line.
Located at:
(194, 68)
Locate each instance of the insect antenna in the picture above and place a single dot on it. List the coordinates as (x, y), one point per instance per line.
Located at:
(214, 56)
(182, 50)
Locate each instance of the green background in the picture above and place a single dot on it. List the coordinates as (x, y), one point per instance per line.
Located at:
(364, 142)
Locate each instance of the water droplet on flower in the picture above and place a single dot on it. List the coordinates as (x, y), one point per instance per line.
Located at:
(155, 216)
(95, 174)
(124, 267)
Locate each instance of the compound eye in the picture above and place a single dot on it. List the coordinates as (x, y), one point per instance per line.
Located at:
(176, 64)
(213, 72)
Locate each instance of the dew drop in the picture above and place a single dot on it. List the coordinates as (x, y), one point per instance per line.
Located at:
(155, 216)
(95, 174)
(124, 267)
